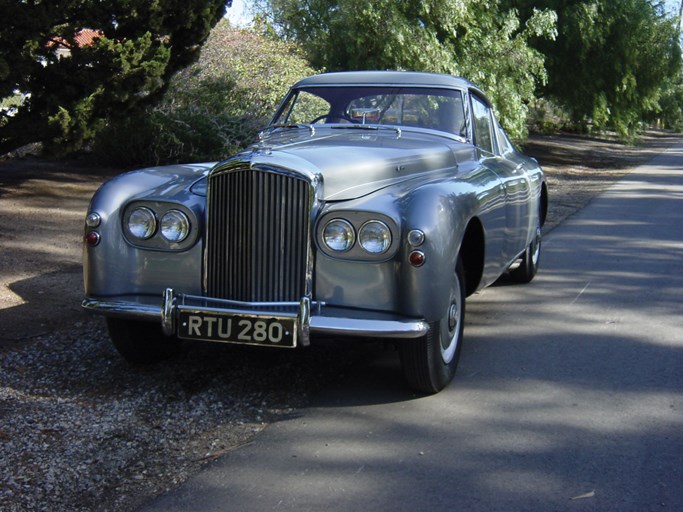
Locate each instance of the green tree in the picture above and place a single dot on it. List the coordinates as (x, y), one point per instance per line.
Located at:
(213, 108)
(670, 114)
(72, 88)
(478, 40)
(610, 61)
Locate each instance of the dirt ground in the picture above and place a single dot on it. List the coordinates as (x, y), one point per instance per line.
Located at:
(43, 204)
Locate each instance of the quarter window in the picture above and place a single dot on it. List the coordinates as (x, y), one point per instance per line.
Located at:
(503, 142)
(482, 125)
(303, 108)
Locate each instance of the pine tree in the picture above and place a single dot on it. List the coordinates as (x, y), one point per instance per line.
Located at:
(79, 63)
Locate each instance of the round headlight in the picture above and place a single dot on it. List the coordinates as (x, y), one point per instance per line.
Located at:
(174, 226)
(375, 237)
(142, 223)
(339, 235)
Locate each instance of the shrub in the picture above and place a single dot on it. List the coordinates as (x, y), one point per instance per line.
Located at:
(213, 108)
(546, 117)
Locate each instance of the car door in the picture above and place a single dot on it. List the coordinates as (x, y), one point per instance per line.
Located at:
(513, 176)
(518, 188)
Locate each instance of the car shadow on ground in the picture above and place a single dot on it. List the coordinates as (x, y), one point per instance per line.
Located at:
(42, 305)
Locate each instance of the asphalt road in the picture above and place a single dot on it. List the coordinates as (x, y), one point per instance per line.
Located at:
(569, 394)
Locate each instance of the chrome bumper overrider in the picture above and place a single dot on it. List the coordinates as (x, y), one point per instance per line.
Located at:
(311, 317)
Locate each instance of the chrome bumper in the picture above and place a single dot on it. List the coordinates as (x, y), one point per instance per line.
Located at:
(312, 317)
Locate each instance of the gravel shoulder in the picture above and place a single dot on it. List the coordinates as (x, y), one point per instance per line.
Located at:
(82, 430)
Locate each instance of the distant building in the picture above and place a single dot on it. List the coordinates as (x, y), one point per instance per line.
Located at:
(83, 38)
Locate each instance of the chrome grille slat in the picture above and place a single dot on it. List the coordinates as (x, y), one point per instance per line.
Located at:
(258, 229)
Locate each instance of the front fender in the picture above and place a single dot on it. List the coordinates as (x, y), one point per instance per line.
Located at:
(442, 212)
(114, 266)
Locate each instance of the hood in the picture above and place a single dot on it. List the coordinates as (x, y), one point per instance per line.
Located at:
(355, 161)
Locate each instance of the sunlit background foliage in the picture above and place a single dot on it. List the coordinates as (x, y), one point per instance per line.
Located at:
(212, 108)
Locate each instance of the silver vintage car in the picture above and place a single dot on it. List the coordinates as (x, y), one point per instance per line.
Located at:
(371, 206)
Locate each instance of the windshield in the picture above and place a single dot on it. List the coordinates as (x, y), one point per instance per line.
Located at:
(424, 107)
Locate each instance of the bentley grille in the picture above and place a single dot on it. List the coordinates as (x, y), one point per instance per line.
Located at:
(257, 235)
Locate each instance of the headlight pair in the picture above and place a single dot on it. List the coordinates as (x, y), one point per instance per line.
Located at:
(374, 236)
(357, 238)
(159, 225)
(142, 224)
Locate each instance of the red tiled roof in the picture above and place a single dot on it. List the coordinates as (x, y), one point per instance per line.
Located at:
(86, 37)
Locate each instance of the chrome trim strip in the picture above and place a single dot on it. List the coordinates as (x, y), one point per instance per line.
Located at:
(304, 321)
(318, 324)
(123, 309)
(233, 311)
(168, 313)
(186, 298)
(403, 329)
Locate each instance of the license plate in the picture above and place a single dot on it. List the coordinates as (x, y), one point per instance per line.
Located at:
(237, 328)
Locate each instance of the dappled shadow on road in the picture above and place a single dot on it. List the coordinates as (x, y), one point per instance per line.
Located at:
(42, 210)
(530, 422)
(536, 416)
(568, 388)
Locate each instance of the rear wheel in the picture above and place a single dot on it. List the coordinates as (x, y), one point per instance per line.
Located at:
(528, 267)
(429, 363)
(141, 342)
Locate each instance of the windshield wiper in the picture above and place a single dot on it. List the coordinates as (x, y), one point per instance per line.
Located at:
(297, 126)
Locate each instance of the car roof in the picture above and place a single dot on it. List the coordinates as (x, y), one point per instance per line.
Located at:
(407, 78)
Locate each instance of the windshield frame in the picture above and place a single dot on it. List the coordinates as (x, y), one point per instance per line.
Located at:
(340, 98)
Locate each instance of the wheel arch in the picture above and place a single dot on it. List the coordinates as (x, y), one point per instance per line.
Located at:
(472, 252)
(543, 205)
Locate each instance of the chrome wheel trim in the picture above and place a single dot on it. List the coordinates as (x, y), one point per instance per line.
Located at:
(449, 335)
(536, 247)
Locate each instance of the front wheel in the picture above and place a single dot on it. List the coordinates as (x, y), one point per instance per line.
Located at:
(429, 363)
(141, 342)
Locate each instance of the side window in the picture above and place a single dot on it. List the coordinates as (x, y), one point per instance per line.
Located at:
(482, 125)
